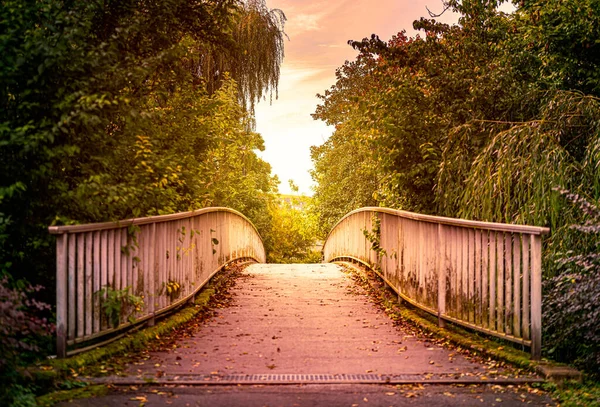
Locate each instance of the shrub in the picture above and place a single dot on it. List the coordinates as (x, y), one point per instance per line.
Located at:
(21, 330)
(572, 297)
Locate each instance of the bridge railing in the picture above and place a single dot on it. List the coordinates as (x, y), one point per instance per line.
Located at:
(162, 260)
(485, 276)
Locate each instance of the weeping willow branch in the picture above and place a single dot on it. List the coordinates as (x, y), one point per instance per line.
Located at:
(255, 60)
(511, 176)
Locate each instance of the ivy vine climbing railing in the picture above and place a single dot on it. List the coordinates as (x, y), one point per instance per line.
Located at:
(116, 274)
(486, 276)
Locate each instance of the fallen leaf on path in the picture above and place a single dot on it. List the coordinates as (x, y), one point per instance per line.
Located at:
(143, 399)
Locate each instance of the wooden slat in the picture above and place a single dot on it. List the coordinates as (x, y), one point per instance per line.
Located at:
(61, 295)
(80, 285)
(96, 318)
(517, 277)
(104, 324)
(152, 278)
(485, 272)
(536, 297)
(420, 263)
(475, 280)
(492, 282)
(500, 282)
(508, 283)
(132, 262)
(441, 303)
(72, 305)
(468, 276)
(125, 271)
(526, 279)
(454, 304)
(117, 260)
(161, 259)
(89, 275)
(111, 259)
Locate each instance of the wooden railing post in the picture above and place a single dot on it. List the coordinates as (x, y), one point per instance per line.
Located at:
(151, 247)
(61, 295)
(536, 297)
(441, 262)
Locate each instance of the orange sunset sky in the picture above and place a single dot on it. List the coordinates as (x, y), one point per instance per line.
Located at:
(318, 32)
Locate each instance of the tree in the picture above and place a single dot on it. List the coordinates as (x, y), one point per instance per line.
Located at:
(254, 60)
(103, 117)
(293, 231)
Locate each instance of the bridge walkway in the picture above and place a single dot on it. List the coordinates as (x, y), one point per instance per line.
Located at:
(314, 329)
(303, 319)
(287, 322)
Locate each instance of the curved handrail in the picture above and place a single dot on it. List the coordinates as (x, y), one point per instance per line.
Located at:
(486, 276)
(88, 227)
(505, 227)
(163, 260)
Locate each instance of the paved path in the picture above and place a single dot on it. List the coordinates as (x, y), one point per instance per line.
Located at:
(300, 320)
(303, 319)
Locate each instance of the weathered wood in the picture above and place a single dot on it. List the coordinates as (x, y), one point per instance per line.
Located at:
(97, 270)
(508, 283)
(517, 278)
(125, 273)
(492, 282)
(526, 293)
(536, 297)
(61, 295)
(503, 227)
(89, 273)
(72, 287)
(500, 282)
(441, 300)
(95, 257)
(485, 273)
(151, 267)
(478, 274)
(103, 275)
(80, 284)
(475, 284)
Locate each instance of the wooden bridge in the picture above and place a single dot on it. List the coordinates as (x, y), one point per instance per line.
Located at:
(485, 276)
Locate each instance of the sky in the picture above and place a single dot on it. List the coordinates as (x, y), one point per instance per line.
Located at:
(318, 32)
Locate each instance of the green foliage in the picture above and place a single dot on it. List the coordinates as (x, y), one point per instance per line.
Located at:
(255, 60)
(374, 236)
(173, 289)
(119, 305)
(573, 394)
(572, 321)
(293, 231)
(104, 115)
